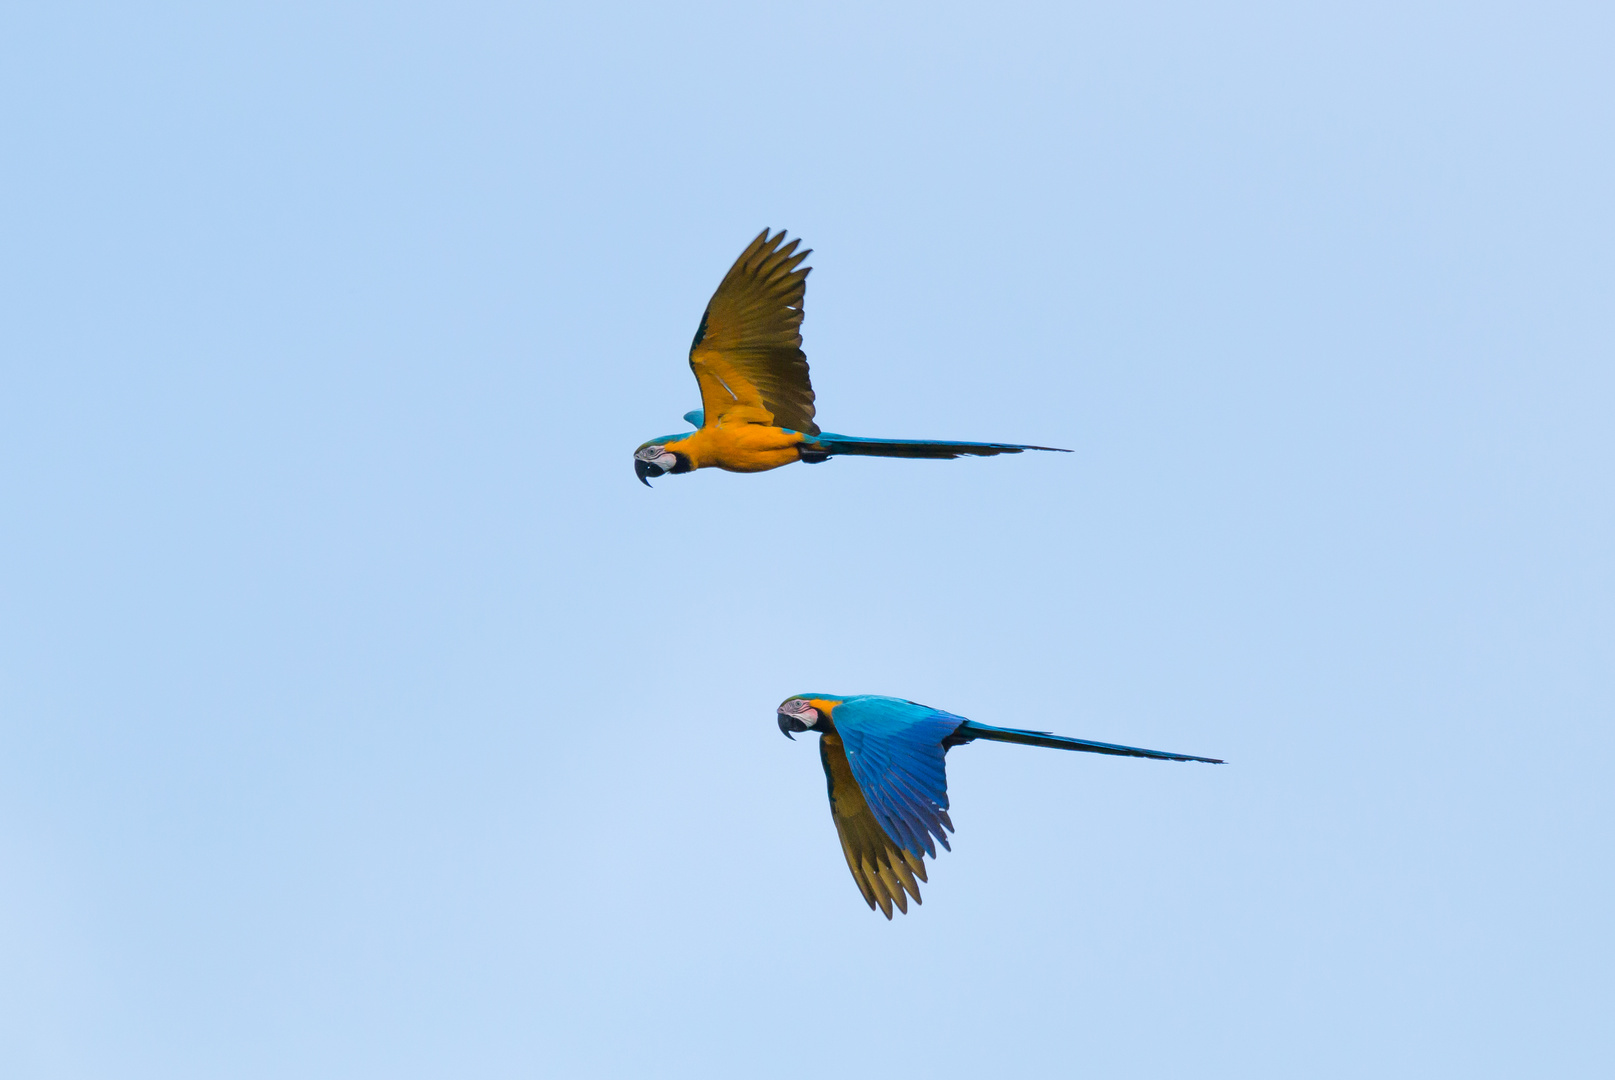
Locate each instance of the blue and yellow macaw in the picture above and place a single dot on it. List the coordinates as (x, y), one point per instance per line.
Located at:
(756, 402)
(883, 760)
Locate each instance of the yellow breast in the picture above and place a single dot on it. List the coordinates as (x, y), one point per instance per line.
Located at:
(739, 447)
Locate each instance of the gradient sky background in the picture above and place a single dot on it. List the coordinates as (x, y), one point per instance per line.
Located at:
(362, 715)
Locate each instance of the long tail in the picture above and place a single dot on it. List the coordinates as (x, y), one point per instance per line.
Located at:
(825, 446)
(970, 731)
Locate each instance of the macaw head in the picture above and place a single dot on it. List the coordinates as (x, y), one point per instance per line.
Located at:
(806, 712)
(655, 459)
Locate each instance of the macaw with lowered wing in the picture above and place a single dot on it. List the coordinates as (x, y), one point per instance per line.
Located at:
(756, 401)
(883, 761)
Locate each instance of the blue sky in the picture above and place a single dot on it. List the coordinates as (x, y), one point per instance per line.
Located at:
(362, 715)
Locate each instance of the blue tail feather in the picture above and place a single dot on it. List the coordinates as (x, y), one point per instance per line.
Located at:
(826, 445)
(970, 731)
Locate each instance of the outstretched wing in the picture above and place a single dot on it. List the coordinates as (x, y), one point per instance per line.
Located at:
(884, 872)
(747, 353)
(895, 750)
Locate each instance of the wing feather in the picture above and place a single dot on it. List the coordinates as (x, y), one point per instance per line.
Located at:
(747, 353)
(895, 751)
(883, 871)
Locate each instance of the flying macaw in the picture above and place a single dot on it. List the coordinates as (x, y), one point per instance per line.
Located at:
(883, 760)
(756, 402)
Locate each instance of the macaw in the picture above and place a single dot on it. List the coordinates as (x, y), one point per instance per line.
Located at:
(883, 761)
(756, 402)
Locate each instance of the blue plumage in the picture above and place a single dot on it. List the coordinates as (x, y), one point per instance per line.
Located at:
(895, 750)
(884, 761)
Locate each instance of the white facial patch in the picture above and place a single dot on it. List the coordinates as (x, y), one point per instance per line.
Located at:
(655, 455)
(801, 710)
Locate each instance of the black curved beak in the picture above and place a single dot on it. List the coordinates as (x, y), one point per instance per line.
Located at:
(644, 470)
(787, 724)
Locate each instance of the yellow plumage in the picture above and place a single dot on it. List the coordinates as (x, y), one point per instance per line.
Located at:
(748, 356)
(756, 401)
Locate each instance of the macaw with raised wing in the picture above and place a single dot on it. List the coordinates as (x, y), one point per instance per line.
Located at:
(756, 402)
(883, 761)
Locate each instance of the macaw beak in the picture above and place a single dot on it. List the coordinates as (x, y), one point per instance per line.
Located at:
(644, 470)
(786, 724)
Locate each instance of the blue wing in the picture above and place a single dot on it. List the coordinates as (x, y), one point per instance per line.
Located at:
(895, 750)
(885, 873)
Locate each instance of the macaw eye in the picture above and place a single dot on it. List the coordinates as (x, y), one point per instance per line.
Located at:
(655, 455)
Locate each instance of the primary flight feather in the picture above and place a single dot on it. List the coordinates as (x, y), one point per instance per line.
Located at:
(883, 763)
(756, 401)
